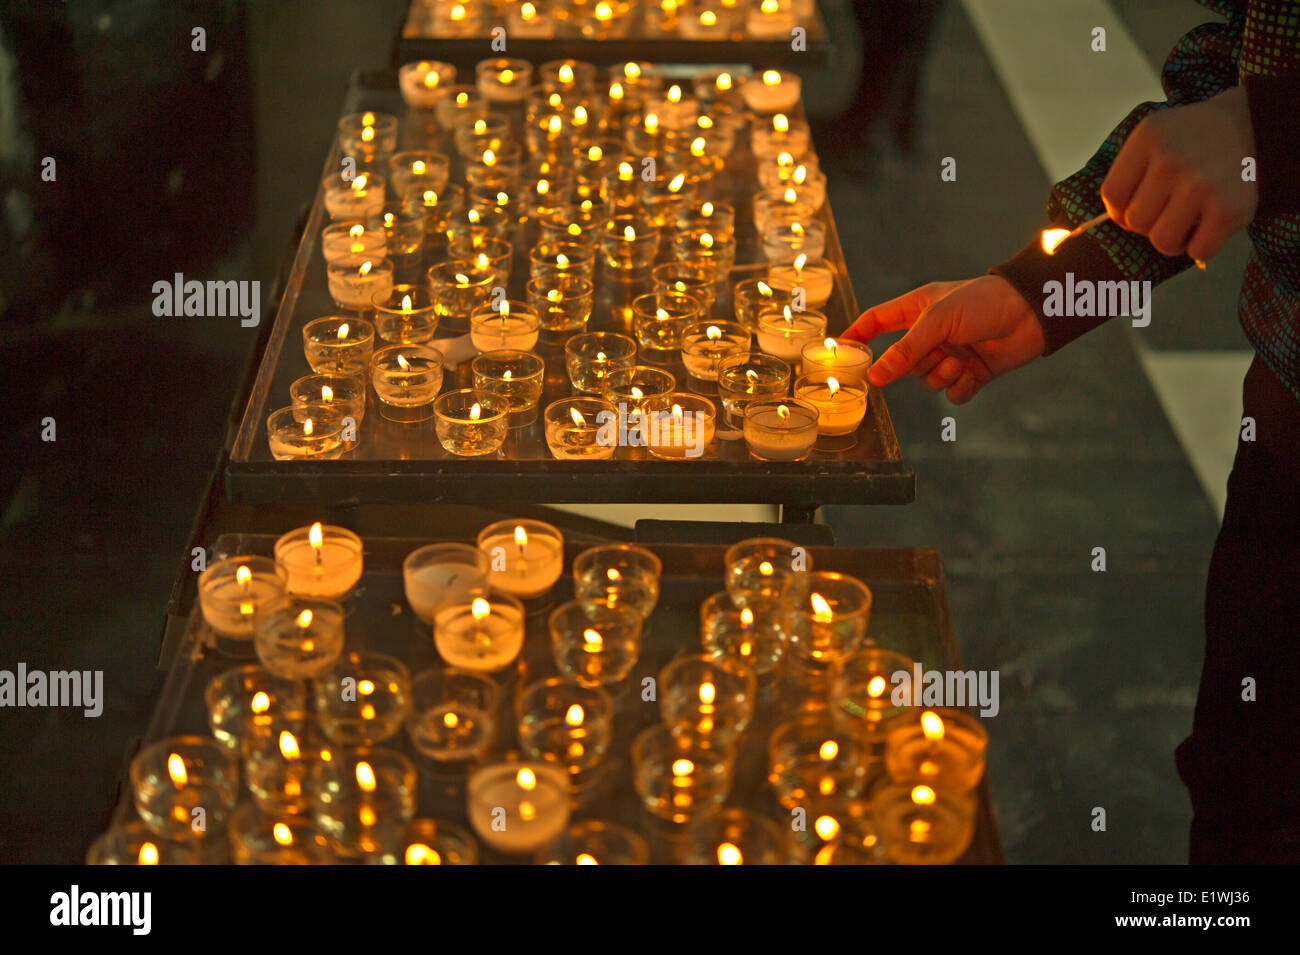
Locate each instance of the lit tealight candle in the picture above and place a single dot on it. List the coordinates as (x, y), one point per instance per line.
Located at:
(425, 82)
(780, 429)
(321, 560)
(772, 91)
(816, 279)
(518, 807)
(846, 360)
(484, 634)
(525, 558)
(840, 406)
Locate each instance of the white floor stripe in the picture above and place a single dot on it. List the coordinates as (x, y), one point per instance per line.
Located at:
(1068, 98)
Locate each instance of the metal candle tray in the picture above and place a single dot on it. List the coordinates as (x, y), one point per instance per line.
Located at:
(404, 463)
(910, 614)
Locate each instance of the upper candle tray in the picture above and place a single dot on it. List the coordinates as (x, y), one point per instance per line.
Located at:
(909, 614)
(640, 31)
(400, 463)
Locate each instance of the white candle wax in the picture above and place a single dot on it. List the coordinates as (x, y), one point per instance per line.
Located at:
(525, 571)
(846, 360)
(434, 586)
(517, 332)
(486, 643)
(424, 83)
(772, 92)
(839, 411)
(517, 815)
(671, 436)
(817, 281)
(785, 339)
(774, 437)
(358, 200)
(331, 571)
(351, 289)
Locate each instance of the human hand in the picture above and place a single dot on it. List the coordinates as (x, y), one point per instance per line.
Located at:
(961, 335)
(1177, 178)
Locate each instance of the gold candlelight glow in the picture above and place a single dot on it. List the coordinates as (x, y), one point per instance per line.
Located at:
(729, 854)
(282, 834)
(828, 750)
(417, 853)
(289, 745)
(1052, 238)
(574, 715)
(261, 702)
(592, 641)
(480, 609)
(821, 609)
(148, 854)
(176, 770)
(365, 777)
(932, 726)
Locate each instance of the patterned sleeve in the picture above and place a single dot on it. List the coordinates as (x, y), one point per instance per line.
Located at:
(1270, 71)
(1203, 64)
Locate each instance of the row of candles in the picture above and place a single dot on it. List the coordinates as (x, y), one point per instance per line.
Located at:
(306, 725)
(620, 216)
(612, 19)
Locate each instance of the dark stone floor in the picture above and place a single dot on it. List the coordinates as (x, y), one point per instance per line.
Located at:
(1098, 670)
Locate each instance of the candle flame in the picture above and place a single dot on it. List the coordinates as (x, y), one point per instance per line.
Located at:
(368, 134)
(365, 777)
(595, 154)
(723, 82)
(507, 75)
(770, 6)
(833, 385)
(326, 393)
(601, 356)
(580, 116)
(713, 332)
(585, 858)
(708, 693)
(636, 393)
(403, 363)
(489, 157)
(782, 412)
(876, 686)
(708, 18)
(932, 726)
(554, 101)
(704, 121)
(783, 158)
(473, 216)
(561, 260)
(706, 240)
(651, 122)
(730, 854)
(526, 779)
(367, 119)
(283, 834)
(751, 376)
(922, 796)
(476, 411)
(554, 124)
(629, 233)
(625, 172)
(521, 536)
(462, 99)
(1053, 238)
(574, 715)
(431, 80)
(821, 609)
(616, 91)
(592, 641)
(577, 417)
(359, 184)
(766, 568)
(683, 767)
(357, 231)
(661, 314)
(677, 413)
(260, 703)
(677, 182)
(480, 127)
(417, 853)
(365, 268)
(830, 345)
(243, 575)
(148, 854)
(746, 618)
(554, 295)
(771, 77)
(289, 745)
(566, 74)
(800, 174)
(176, 770)
(343, 331)
(480, 609)
(826, 827)
(631, 70)
(462, 279)
(674, 94)
(430, 197)
(828, 750)
(308, 427)
(458, 12)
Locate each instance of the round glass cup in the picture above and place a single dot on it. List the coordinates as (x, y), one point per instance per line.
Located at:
(591, 357)
(469, 424)
(831, 621)
(363, 698)
(563, 303)
(355, 280)
(488, 253)
(595, 647)
(734, 837)
(441, 575)
(686, 278)
(610, 576)
(862, 687)
(701, 694)
(260, 838)
(681, 776)
(565, 724)
(811, 756)
(780, 429)
(310, 430)
(453, 715)
(513, 377)
(921, 825)
(300, 638)
(245, 702)
(754, 376)
(359, 789)
(459, 287)
(705, 345)
(630, 244)
(940, 746)
(338, 345)
(547, 258)
(766, 571)
(755, 639)
(579, 428)
(347, 393)
(233, 591)
(174, 777)
(512, 325)
(659, 318)
(405, 315)
(749, 301)
(407, 379)
(638, 390)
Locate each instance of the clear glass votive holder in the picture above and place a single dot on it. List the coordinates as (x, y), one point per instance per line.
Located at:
(591, 357)
(437, 208)
(346, 394)
(681, 775)
(784, 332)
(638, 390)
(405, 315)
(752, 297)
(921, 825)
(351, 237)
(714, 254)
(278, 767)
(682, 428)
(518, 807)
(422, 841)
(581, 428)
(781, 206)
(841, 406)
(355, 281)
(595, 842)
(939, 746)
(489, 131)
(831, 621)
(359, 790)
(527, 556)
(563, 76)
(459, 288)
(308, 430)
(715, 217)
(300, 638)
(815, 280)
(402, 223)
(453, 715)
(321, 560)
(245, 702)
(595, 646)
(367, 136)
(513, 377)
(488, 254)
(683, 277)
(747, 377)
(425, 82)
(483, 633)
(862, 687)
(783, 242)
(610, 576)
(754, 639)
(565, 724)
(659, 318)
(407, 379)
(780, 429)
(469, 424)
(496, 168)
(440, 575)
(630, 244)
(764, 572)
(508, 325)
(134, 843)
(563, 225)
(811, 756)
(363, 698)
(355, 198)
(705, 345)
(184, 787)
(503, 80)
(847, 360)
(338, 345)
(702, 694)
(233, 591)
(563, 302)
(461, 104)
(261, 838)
(734, 837)
(664, 197)
(474, 224)
(563, 257)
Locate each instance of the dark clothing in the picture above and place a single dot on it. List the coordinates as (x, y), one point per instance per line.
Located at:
(1241, 764)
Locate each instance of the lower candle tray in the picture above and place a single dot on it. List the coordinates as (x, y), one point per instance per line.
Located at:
(910, 614)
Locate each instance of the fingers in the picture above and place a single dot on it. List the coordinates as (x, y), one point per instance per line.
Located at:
(965, 387)
(1214, 230)
(898, 312)
(928, 333)
(1126, 172)
(926, 364)
(1148, 202)
(1177, 223)
(943, 376)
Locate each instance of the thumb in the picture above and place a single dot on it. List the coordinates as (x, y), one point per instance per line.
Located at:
(930, 331)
